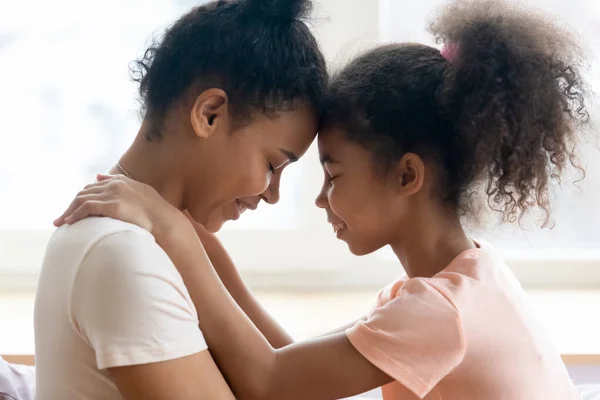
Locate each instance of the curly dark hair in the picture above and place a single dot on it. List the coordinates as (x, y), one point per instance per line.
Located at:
(260, 52)
(502, 110)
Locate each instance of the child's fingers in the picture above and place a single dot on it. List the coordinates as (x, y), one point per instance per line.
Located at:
(90, 189)
(92, 207)
(92, 193)
(84, 210)
(60, 221)
(104, 177)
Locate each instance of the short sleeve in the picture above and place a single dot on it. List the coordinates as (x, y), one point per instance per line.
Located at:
(130, 304)
(416, 338)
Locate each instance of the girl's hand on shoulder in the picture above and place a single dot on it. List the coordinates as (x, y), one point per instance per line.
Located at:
(121, 198)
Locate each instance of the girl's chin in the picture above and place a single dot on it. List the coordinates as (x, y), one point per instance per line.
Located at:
(359, 248)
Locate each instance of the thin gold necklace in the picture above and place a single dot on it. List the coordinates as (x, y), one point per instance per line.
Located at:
(124, 171)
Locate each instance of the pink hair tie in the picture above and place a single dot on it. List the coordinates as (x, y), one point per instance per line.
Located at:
(449, 51)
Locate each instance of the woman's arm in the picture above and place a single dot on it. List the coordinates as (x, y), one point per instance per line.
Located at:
(194, 377)
(324, 368)
(236, 287)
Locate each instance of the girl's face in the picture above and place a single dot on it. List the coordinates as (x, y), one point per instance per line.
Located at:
(366, 208)
(239, 168)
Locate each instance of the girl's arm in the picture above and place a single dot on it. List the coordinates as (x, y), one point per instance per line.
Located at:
(328, 367)
(323, 368)
(241, 293)
(236, 287)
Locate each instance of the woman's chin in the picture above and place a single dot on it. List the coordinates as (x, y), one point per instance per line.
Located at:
(214, 225)
(214, 222)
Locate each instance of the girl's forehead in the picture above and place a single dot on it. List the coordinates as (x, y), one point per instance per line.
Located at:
(326, 144)
(335, 148)
(331, 136)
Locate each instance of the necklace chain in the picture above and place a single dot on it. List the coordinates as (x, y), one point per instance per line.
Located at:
(124, 171)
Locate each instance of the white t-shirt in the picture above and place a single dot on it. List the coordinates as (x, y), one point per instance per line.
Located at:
(108, 296)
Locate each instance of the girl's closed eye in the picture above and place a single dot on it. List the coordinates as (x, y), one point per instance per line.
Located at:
(330, 175)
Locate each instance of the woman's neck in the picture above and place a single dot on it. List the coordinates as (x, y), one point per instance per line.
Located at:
(435, 239)
(154, 163)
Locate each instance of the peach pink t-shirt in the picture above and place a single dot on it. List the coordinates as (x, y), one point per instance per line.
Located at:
(467, 333)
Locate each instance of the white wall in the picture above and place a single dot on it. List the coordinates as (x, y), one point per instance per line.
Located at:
(306, 255)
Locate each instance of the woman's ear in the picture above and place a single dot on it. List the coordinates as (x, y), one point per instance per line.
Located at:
(209, 111)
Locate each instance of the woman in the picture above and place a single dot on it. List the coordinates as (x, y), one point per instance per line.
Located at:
(230, 97)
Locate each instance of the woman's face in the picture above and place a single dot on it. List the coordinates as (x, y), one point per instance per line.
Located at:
(366, 209)
(232, 212)
(245, 165)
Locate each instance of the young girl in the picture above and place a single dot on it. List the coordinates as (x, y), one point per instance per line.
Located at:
(412, 138)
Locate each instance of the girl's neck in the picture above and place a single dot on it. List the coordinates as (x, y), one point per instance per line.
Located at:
(155, 164)
(432, 243)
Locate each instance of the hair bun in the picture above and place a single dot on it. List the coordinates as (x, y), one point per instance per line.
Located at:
(282, 10)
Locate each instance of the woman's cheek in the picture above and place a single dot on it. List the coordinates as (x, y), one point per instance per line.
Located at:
(258, 180)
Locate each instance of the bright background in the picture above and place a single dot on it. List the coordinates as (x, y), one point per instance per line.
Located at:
(68, 110)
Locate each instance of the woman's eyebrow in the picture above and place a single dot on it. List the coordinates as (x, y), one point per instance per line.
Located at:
(290, 155)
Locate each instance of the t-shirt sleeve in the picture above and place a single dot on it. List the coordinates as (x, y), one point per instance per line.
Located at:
(416, 338)
(130, 304)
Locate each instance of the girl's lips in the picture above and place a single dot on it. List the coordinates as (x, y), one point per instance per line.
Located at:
(338, 226)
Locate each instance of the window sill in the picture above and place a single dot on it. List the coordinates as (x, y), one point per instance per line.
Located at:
(314, 260)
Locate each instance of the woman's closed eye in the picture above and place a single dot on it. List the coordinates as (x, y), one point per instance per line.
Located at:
(278, 165)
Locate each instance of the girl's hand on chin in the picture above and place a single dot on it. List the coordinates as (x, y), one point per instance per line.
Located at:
(121, 198)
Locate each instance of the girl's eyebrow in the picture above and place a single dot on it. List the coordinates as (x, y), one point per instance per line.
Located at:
(326, 159)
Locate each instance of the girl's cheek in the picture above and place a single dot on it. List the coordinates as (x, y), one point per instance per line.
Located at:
(336, 199)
